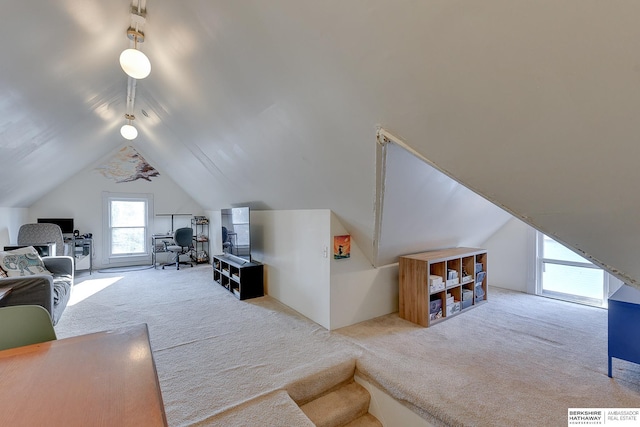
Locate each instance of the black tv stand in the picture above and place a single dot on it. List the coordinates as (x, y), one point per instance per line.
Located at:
(243, 278)
(235, 258)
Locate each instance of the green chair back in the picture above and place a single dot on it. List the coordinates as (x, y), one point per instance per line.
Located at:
(23, 325)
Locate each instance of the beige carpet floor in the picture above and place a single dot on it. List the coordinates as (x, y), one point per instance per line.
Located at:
(518, 360)
(212, 351)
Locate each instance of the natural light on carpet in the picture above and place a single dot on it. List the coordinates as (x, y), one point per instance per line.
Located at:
(84, 290)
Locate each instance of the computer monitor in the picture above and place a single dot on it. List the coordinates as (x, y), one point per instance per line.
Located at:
(65, 224)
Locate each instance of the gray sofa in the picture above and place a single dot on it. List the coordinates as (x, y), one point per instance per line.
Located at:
(50, 291)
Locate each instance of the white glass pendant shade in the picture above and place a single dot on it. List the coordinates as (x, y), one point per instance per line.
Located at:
(135, 63)
(129, 132)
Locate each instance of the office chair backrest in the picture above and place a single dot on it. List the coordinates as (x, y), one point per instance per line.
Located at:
(183, 237)
(225, 234)
(23, 325)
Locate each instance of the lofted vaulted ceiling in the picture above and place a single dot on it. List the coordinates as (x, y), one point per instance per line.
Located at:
(276, 103)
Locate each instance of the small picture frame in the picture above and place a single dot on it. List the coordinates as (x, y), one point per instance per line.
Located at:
(342, 246)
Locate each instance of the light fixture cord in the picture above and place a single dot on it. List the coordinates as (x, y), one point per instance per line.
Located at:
(135, 36)
(131, 82)
(131, 94)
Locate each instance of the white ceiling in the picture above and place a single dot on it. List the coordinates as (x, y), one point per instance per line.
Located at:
(276, 103)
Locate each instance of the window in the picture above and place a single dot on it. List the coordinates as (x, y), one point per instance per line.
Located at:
(565, 275)
(240, 219)
(127, 221)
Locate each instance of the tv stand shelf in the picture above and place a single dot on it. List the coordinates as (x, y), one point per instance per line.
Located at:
(243, 278)
(437, 285)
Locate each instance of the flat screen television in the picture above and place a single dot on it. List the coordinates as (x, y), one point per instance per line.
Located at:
(236, 232)
(66, 224)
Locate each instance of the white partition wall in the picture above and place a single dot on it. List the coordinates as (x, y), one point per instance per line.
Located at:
(358, 290)
(294, 246)
(215, 233)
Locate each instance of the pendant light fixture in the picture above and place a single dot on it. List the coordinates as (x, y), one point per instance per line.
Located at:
(129, 131)
(133, 61)
(135, 64)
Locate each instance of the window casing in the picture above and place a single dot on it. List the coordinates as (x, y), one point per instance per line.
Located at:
(127, 221)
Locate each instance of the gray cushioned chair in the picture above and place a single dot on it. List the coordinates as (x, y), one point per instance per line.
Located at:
(49, 291)
(182, 244)
(25, 325)
(41, 234)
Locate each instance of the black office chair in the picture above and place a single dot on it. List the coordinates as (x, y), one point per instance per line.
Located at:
(182, 244)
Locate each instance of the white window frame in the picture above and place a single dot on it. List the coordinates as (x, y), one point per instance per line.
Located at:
(126, 259)
(541, 260)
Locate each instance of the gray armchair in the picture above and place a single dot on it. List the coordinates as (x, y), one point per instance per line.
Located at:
(41, 234)
(49, 291)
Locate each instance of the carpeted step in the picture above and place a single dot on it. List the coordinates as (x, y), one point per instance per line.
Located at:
(321, 381)
(367, 420)
(338, 407)
(274, 409)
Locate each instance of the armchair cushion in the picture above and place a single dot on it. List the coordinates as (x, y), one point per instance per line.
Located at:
(59, 265)
(22, 262)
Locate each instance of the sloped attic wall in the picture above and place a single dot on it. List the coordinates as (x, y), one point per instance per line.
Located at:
(420, 208)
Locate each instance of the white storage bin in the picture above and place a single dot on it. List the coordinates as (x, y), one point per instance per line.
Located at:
(453, 308)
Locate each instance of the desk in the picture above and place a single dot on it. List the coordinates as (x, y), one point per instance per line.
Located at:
(107, 378)
(624, 318)
(82, 252)
(154, 245)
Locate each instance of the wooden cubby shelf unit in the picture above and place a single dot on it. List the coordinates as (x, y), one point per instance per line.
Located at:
(244, 279)
(439, 284)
